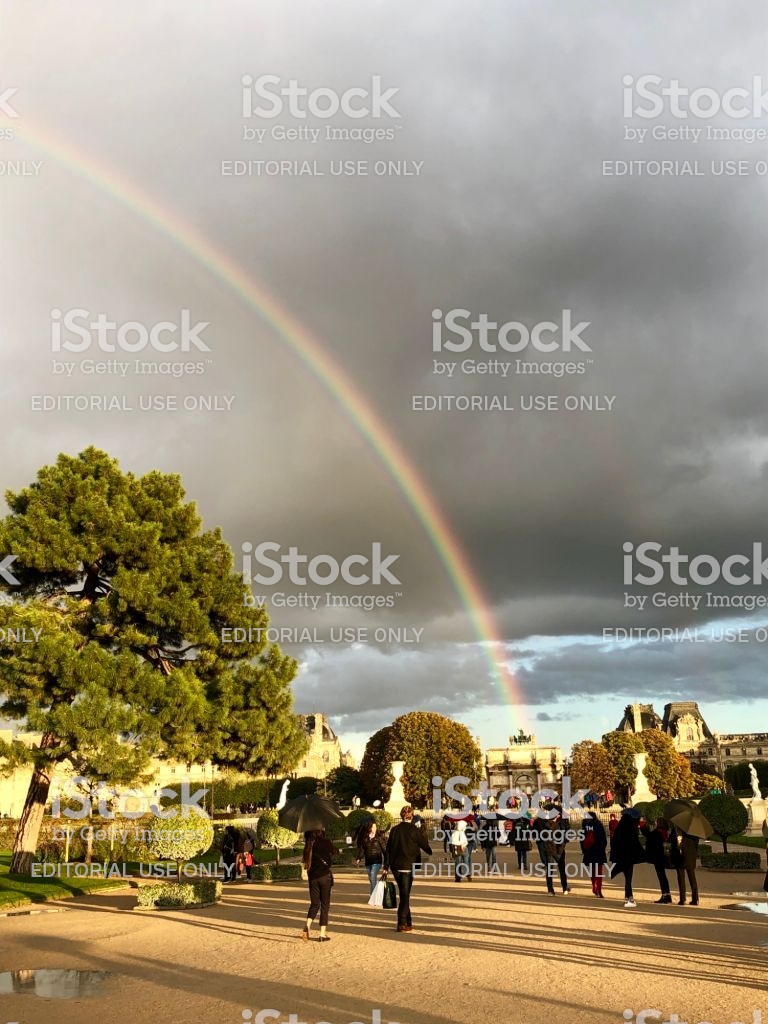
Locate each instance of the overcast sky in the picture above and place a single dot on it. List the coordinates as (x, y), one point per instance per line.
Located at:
(511, 113)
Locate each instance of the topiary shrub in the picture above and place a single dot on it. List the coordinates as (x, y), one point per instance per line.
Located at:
(356, 818)
(180, 838)
(338, 828)
(731, 861)
(383, 819)
(179, 894)
(276, 872)
(270, 833)
(651, 810)
(726, 814)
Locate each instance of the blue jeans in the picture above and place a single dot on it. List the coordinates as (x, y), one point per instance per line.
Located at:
(373, 873)
(461, 873)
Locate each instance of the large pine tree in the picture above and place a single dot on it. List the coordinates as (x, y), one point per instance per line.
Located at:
(130, 595)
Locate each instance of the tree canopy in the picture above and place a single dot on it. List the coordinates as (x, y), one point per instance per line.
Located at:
(130, 596)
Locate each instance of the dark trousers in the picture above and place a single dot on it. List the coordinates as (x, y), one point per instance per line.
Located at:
(628, 870)
(546, 860)
(661, 874)
(404, 883)
(522, 859)
(691, 872)
(229, 869)
(320, 898)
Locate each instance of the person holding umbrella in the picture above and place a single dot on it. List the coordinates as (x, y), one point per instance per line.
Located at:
(626, 851)
(310, 814)
(403, 851)
(689, 825)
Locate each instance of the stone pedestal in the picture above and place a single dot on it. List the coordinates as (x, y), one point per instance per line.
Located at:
(397, 799)
(757, 815)
(642, 792)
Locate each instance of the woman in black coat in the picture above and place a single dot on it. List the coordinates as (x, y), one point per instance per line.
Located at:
(626, 851)
(594, 846)
(683, 851)
(654, 852)
(317, 860)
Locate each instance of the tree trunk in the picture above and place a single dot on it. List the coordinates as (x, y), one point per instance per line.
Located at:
(28, 833)
(725, 843)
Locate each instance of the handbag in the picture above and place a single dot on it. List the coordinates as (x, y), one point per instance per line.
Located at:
(390, 896)
(376, 898)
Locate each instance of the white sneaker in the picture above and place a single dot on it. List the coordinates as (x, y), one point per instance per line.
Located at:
(630, 903)
(567, 892)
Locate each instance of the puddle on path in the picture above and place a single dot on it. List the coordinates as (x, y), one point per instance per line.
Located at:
(753, 908)
(51, 984)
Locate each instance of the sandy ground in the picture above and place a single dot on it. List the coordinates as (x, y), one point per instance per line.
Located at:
(492, 950)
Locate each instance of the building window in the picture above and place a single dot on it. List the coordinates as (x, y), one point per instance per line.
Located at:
(173, 771)
(303, 764)
(759, 750)
(727, 751)
(744, 751)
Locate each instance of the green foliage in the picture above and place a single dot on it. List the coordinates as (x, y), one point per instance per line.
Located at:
(622, 747)
(272, 872)
(651, 810)
(305, 785)
(429, 744)
(344, 784)
(383, 819)
(738, 776)
(131, 595)
(668, 773)
(742, 861)
(179, 894)
(703, 783)
(726, 814)
(270, 833)
(356, 817)
(181, 838)
(338, 828)
(239, 792)
(591, 767)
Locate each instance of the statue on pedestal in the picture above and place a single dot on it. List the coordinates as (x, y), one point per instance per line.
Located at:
(397, 796)
(754, 783)
(757, 807)
(642, 793)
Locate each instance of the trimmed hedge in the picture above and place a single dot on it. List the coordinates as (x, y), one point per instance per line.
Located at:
(746, 861)
(179, 894)
(271, 872)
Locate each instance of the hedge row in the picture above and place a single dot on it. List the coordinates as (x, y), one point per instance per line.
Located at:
(271, 872)
(731, 861)
(179, 894)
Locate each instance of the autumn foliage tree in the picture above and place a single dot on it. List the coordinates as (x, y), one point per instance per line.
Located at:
(591, 767)
(130, 596)
(429, 744)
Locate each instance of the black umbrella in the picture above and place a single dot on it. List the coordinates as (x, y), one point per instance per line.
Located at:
(309, 812)
(687, 816)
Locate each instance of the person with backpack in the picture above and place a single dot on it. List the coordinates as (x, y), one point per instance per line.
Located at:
(459, 848)
(404, 848)
(593, 850)
(371, 849)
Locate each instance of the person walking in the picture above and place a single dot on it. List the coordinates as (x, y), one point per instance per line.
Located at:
(372, 850)
(446, 827)
(248, 847)
(626, 851)
(462, 862)
(555, 847)
(489, 843)
(613, 822)
(655, 854)
(317, 860)
(404, 848)
(593, 850)
(683, 851)
(229, 853)
(522, 844)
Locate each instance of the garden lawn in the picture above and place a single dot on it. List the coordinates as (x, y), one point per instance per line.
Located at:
(18, 890)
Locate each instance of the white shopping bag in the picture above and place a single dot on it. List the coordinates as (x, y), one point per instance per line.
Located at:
(377, 896)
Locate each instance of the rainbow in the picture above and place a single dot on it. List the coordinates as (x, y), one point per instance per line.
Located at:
(330, 374)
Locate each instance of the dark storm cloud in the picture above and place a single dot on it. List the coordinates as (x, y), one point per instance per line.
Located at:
(512, 109)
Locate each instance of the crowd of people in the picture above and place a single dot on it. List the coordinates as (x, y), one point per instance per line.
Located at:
(395, 855)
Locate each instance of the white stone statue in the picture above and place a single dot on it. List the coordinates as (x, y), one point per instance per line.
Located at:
(753, 780)
(397, 796)
(283, 795)
(642, 793)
